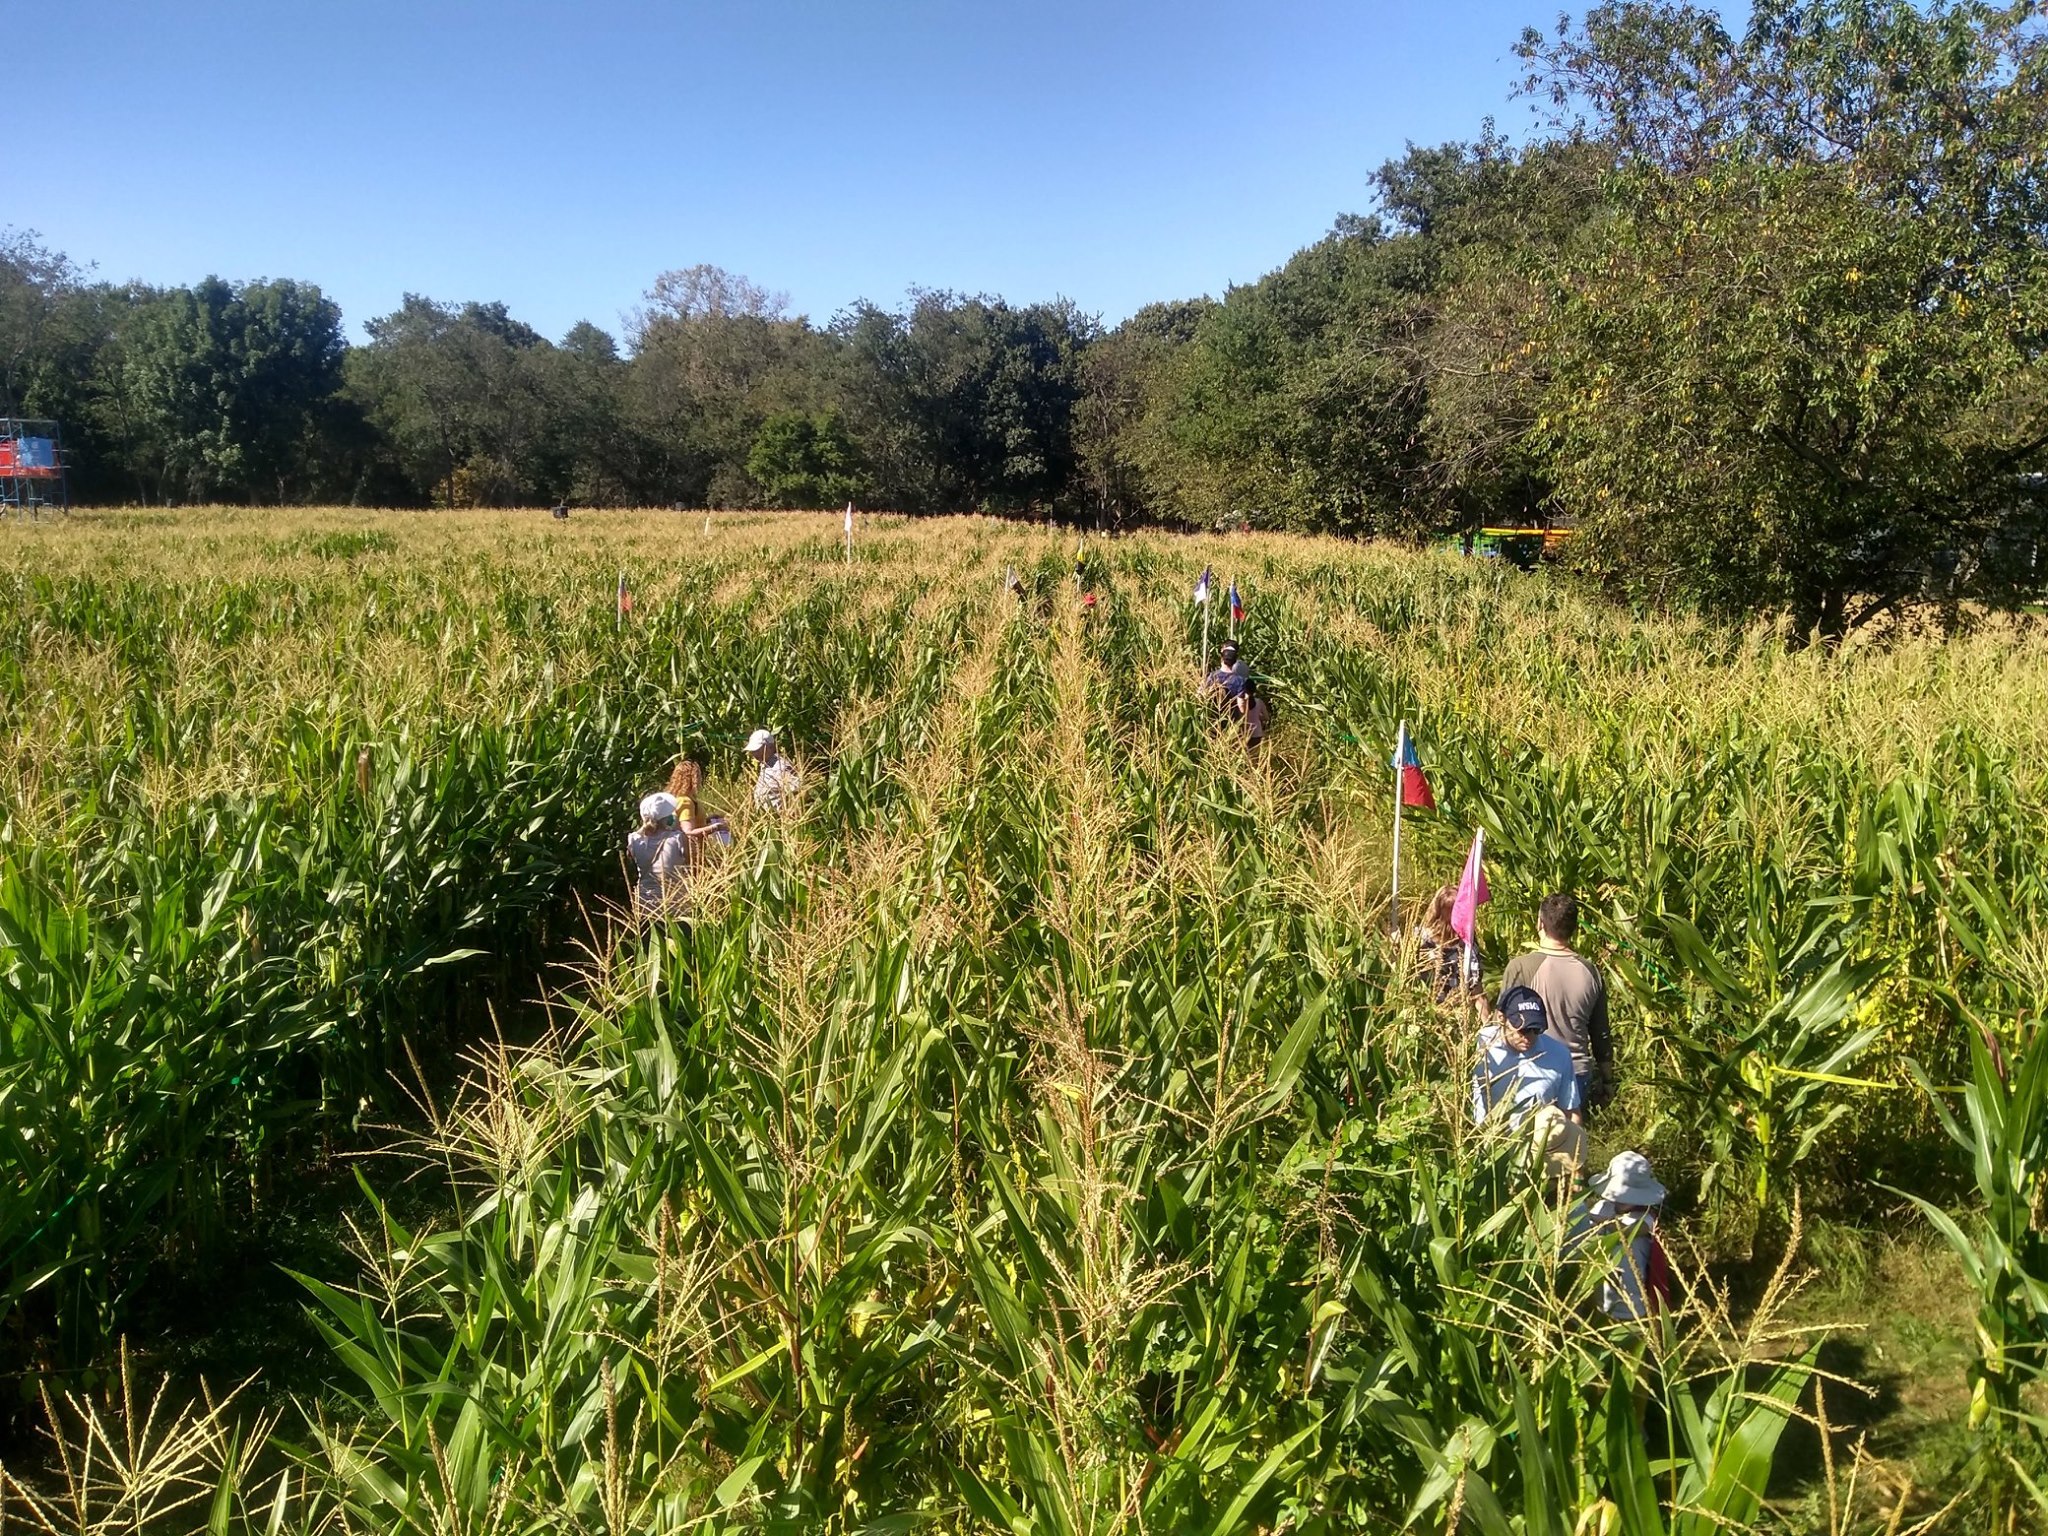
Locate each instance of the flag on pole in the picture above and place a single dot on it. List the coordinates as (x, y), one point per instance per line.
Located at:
(1202, 587)
(849, 519)
(625, 596)
(1415, 788)
(1472, 892)
(1236, 604)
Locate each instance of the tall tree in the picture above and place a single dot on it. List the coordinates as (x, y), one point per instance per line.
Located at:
(714, 356)
(1486, 224)
(585, 379)
(223, 385)
(1123, 375)
(460, 393)
(34, 280)
(1801, 363)
(966, 402)
(1289, 406)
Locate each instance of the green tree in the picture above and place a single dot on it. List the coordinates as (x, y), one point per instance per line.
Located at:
(59, 352)
(804, 460)
(715, 355)
(460, 393)
(966, 401)
(1798, 362)
(33, 283)
(1294, 403)
(595, 454)
(1123, 375)
(224, 386)
(1481, 222)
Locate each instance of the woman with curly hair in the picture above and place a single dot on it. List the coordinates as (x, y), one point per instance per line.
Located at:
(701, 832)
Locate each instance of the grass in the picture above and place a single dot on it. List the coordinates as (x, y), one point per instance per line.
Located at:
(1035, 1131)
(1899, 1311)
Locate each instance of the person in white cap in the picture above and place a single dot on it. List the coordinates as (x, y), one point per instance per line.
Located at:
(659, 854)
(1621, 1208)
(775, 786)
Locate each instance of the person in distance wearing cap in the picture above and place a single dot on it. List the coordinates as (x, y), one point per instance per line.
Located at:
(659, 854)
(1520, 1068)
(775, 786)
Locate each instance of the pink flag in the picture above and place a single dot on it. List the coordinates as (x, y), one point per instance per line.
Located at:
(1471, 891)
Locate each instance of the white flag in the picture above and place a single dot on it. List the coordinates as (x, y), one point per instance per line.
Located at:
(1202, 587)
(849, 517)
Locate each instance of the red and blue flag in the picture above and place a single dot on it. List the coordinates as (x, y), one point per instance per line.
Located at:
(1236, 605)
(1415, 788)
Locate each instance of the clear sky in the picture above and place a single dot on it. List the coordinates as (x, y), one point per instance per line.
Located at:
(558, 156)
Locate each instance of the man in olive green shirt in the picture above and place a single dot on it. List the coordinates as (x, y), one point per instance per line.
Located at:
(1574, 998)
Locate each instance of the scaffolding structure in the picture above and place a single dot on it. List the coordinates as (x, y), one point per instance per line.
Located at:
(32, 481)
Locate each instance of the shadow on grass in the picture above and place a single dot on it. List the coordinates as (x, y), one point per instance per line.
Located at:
(1895, 1382)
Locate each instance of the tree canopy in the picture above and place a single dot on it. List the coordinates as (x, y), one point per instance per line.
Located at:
(1797, 360)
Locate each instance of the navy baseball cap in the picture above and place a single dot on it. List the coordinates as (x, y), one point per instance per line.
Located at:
(1523, 1010)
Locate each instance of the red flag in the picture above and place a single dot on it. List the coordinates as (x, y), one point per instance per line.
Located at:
(1472, 892)
(625, 596)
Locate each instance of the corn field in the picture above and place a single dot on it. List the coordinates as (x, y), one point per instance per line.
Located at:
(1036, 1129)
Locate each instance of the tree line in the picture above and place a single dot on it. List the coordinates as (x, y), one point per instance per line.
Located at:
(1763, 313)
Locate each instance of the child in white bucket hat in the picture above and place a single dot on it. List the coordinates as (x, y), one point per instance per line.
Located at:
(1622, 1204)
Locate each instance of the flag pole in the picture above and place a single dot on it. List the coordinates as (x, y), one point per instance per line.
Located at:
(1233, 610)
(849, 533)
(1394, 898)
(619, 603)
(1208, 602)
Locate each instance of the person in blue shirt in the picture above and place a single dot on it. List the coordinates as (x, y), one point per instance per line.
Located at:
(1226, 685)
(1521, 1068)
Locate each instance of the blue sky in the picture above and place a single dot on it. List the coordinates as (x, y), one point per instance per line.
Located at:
(557, 157)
